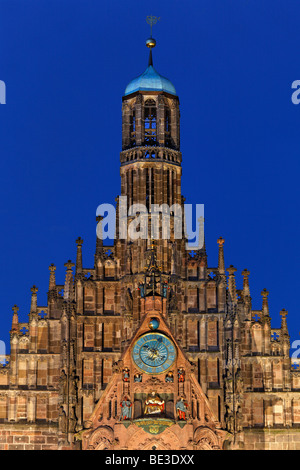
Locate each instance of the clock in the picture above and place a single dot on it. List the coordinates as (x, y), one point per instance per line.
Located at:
(154, 353)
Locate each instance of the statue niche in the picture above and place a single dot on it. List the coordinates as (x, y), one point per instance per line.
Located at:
(154, 405)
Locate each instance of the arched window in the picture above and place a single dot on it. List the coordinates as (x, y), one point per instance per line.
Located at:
(168, 127)
(150, 123)
(132, 129)
(149, 188)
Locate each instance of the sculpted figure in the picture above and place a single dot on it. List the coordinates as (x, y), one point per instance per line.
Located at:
(181, 408)
(72, 420)
(126, 375)
(62, 385)
(142, 290)
(154, 404)
(62, 420)
(181, 374)
(128, 300)
(73, 384)
(230, 422)
(169, 377)
(239, 420)
(228, 385)
(239, 383)
(126, 407)
(172, 301)
(164, 289)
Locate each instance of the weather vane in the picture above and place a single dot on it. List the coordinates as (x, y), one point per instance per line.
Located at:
(152, 20)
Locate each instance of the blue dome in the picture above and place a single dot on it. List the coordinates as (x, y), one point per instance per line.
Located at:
(150, 80)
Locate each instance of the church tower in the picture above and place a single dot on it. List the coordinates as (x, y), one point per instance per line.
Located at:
(149, 348)
(151, 166)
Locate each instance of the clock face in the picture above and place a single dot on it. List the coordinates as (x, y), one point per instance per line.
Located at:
(154, 353)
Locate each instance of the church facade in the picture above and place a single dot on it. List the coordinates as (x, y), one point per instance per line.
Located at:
(150, 348)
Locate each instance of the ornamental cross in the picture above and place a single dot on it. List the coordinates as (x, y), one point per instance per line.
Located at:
(152, 20)
(275, 336)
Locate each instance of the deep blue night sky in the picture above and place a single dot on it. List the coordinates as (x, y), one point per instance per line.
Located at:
(66, 64)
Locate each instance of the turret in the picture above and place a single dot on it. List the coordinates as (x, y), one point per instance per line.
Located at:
(15, 319)
(231, 284)
(69, 288)
(284, 334)
(78, 269)
(221, 263)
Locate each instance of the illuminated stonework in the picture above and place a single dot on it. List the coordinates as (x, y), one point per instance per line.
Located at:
(77, 376)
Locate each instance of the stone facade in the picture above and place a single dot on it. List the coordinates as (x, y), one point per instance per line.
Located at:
(71, 374)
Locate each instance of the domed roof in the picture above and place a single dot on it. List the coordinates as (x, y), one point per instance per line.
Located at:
(150, 80)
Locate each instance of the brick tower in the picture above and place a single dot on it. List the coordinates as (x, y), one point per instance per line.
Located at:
(150, 348)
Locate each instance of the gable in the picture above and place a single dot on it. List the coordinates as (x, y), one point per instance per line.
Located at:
(138, 400)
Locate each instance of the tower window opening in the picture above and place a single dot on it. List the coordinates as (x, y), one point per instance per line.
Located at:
(168, 127)
(168, 187)
(150, 154)
(132, 129)
(128, 189)
(150, 123)
(152, 186)
(147, 189)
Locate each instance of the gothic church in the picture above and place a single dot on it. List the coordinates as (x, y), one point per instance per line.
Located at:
(150, 348)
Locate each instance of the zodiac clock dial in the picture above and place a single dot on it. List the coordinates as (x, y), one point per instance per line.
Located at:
(154, 353)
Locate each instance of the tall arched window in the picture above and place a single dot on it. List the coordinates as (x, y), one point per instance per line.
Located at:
(132, 129)
(168, 127)
(150, 123)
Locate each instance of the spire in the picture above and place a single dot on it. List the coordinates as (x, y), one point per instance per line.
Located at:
(221, 264)
(52, 281)
(99, 232)
(246, 293)
(33, 307)
(79, 243)
(68, 289)
(152, 274)
(265, 307)
(246, 288)
(15, 320)
(284, 334)
(284, 329)
(231, 283)
(150, 63)
(151, 42)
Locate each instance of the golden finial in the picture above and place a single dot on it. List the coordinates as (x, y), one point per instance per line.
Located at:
(151, 20)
